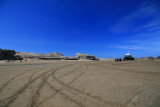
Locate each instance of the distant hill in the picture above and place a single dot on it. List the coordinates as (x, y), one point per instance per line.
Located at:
(55, 55)
(35, 55)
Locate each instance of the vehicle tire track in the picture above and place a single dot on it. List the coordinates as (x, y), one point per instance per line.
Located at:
(36, 95)
(29, 80)
(66, 85)
(65, 95)
(137, 94)
(70, 72)
(9, 81)
(114, 80)
(8, 101)
(99, 98)
(30, 84)
(59, 90)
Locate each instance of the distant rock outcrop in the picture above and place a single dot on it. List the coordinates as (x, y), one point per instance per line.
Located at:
(56, 55)
(71, 58)
(6, 54)
(41, 56)
(85, 56)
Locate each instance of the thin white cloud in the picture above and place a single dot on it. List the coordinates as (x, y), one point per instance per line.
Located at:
(133, 47)
(145, 41)
(139, 47)
(155, 29)
(146, 10)
(149, 34)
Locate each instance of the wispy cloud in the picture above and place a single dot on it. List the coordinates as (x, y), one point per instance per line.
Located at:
(146, 35)
(145, 41)
(139, 47)
(147, 16)
(144, 22)
(133, 47)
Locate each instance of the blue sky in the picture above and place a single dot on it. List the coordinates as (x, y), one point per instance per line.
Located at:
(105, 28)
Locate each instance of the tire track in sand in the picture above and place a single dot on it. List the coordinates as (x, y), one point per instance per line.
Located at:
(129, 101)
(65, 95)
(70, 72)
(36, 95)
(8, 101)
(59, 90)
(9, 81)
(115, 80)
(99, 98)
(138, 94)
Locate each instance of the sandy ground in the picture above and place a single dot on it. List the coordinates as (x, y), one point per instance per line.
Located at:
(80, 83)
